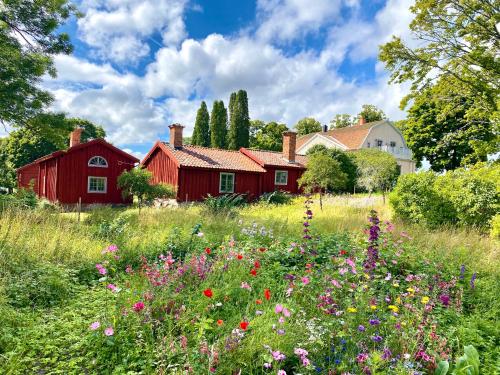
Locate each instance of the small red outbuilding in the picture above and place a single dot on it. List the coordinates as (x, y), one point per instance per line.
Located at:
(201, 171)
(85, 171)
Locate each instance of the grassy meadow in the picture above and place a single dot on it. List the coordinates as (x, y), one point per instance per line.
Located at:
(263, 290)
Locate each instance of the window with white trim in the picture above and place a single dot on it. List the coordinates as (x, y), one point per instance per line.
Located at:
(98, 161)
(281, 177)
(97, 184)
(226, 183)
(379, 143)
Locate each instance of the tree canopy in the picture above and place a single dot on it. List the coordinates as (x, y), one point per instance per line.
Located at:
(218, 125)
(307, 125)
(342, 121)
(29, 37)
(267, 136)
(455, 68)
(371, 113)
(201, 132)
(239, 121)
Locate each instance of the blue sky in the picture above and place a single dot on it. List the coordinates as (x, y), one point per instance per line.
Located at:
(140, 65)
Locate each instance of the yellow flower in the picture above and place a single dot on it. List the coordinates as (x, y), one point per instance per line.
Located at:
(352, 309)
(373, 307)
(395, 285)
(366, 276)
(393, 308)
(398, 300)
(411, 290)
(425, 300)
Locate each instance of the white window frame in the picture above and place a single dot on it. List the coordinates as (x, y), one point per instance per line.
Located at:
(99, 178)
(276, 182)
(97, 166)
(220, 182)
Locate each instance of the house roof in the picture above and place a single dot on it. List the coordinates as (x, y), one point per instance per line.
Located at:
(351, 137)
(211, 158)
(80, 146)
(274, 158)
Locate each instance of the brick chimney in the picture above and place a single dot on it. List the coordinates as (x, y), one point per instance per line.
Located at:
(75, 137)
(176, 135)
(289, 146)
(361, 120)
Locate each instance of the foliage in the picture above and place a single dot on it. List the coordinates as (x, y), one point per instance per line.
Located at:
(29, 37)
(377, 170)
(239, 121)
(347, 164)
(495, 227)
(7, 172)
(468, 364)
(218, 125)
(371, 113)
(455, 68)
(276, 197)
(307, 125)
(267, 136)
(224, 204)
(137, 182)
(44, 134)
(461, 197)
(201, 132)
(341, 121)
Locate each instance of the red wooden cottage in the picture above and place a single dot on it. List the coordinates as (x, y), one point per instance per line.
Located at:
(199, 171)
(85, 171)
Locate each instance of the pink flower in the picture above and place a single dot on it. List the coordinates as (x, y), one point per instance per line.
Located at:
(245, 285)
(336, 283)
(102, 270)
(138, 306)
(350, 263)
(305, 280)
(95, 326)
(112, 287)
(343, 270)
(278, 309)
(112, 248)
(281, 372)
(109, 331)
(286, 312)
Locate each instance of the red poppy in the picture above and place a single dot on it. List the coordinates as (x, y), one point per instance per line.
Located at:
(267, 294)
(208, 293)
(220, 322)
(253, 272)
(208, 250)
(239, 256)
(257, 264)
(262, 249)
(258, 302)
(244, 325)
(343, 252)
(308, 265)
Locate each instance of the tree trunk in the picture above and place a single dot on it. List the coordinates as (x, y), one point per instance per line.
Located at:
(321, 200)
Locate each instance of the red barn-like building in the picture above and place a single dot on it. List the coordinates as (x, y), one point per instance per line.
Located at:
(86, 171)
(199, 171)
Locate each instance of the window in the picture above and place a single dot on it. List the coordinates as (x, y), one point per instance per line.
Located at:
(226, 184)
(97, 184)
(368, 144)
(393, 144)
(98, 161)
(379, 143)
(281, 177)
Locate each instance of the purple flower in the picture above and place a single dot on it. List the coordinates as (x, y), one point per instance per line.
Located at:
(361, 328)
(374, 322)
(377, 338)
(278, 356)
(387, 354)
(462, 272)
(473, 280)
(268, 365)
(445, 299)
(95, 326)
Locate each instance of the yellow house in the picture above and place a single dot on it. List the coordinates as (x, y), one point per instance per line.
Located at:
(378, 134)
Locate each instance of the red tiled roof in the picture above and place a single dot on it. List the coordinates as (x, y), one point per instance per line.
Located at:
(78, 146)
(352, 136)
(213, 158)
(274, 158)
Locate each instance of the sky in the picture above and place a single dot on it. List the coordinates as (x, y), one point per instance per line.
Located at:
(140, 65)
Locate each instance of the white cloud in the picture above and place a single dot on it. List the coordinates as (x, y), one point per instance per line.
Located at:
(120, 30)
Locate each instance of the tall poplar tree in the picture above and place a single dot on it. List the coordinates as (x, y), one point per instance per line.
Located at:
(232, 135)
(218, 125)
(201, 132)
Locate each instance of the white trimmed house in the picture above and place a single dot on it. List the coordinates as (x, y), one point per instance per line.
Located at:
(378, 134)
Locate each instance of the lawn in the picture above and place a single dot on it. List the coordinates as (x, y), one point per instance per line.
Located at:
(264, 290)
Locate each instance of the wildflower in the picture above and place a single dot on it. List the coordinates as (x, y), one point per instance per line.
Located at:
(281, 372)
(220, 322)
(138, 306)
(258, 301)
(387, 354)
(278, 309)
(286, 312)
(253, 272)
(377, 338)
(244, 325)
(343, 252)
(200, 234)
(208, 293)
(268, 365)
(239, 256)
(280, 332)
(343, 270)
(393, 308)
(388, 277)
(374, 322)
(112, 287)
(462, 272)
(245, 285)
(352, 309)
(300, 352)
(445, 299)
(361, 328)
(128, 269)
(336, 284)
(425, 300)
(473, 280)
(102, 270)
(259, 312)
(109, 331)
(256, 264)
(373, 307)
(305, 280)
(267, 294)
(208, 250)
(262, 249)
(278, 356)
(410, 290)
(362, 357)
(95, 326)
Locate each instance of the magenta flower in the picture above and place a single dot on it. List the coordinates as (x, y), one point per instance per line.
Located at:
(112, 287)
(109, 331)
(95, 326)
(278, 309)
(102, 270)
(278, 356)
(138, 306)
(336, 283)
(305, 280)
(286, 312)
(281, 372)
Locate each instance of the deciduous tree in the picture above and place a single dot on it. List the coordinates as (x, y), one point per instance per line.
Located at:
(371, 113)
(307, 125)
(341, 121)
(267, 136)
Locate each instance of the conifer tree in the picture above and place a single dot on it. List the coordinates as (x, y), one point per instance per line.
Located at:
(201, 132)
(232, 135)
(218, 125)
(244, 119)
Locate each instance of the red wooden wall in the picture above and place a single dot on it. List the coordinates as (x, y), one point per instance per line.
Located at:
(164, 169)
(292, 185)
(26, 175)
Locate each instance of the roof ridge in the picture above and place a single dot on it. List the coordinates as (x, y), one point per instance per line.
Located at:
(204, 147)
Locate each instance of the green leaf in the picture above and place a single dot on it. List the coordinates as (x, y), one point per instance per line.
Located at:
(442, 368)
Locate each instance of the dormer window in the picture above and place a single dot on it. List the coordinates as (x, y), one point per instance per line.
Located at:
(98, 161)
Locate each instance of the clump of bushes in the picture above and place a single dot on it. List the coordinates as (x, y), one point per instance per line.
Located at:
(223, 204)
(276, 197)
(461, 197)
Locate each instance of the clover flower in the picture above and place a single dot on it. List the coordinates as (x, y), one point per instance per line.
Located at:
(94, 326)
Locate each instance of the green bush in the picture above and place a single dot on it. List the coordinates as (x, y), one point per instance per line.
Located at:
(275, 197)
(495, 227)
(461, 197)
(224, 204)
